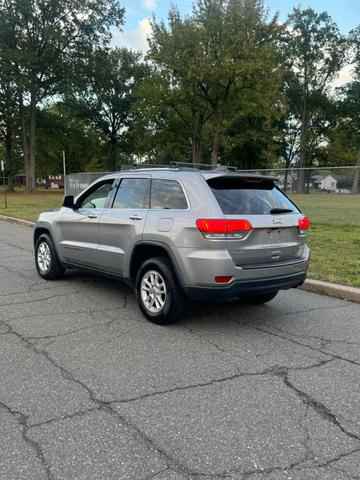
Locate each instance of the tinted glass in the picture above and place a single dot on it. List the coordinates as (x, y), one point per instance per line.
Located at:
(167, 194)
(249, 197)
(97, 198)
(133, 193)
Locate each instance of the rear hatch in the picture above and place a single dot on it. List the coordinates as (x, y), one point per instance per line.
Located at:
(275, 238)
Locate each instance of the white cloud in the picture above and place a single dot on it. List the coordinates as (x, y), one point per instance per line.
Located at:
(345, 76)
(150, 4)
(134, 39)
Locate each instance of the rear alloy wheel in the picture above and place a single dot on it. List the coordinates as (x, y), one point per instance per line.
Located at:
(260, 299)
(159, 296)
(46, 259)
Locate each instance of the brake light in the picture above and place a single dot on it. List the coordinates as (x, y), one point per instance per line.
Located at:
(304, 224)
(223, 228)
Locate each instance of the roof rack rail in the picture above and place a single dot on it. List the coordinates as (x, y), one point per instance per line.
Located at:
(179, 166)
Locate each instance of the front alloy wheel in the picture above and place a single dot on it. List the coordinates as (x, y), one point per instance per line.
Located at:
(44, 257)
(47, 262)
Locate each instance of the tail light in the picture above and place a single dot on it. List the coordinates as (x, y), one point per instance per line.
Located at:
(222, 228)
(304, 224)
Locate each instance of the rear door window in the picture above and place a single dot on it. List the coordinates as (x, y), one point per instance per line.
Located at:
(133, 193)
(167, 194)
(247, 196)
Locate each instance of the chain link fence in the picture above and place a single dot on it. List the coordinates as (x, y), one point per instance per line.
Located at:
(336, 180)
(75, 183)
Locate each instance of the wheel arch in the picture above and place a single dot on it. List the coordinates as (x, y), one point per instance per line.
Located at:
(144, 250)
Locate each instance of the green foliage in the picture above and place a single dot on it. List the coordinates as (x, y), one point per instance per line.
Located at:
(314, 51)
(59, 130)
(105, 93)
(217, 67)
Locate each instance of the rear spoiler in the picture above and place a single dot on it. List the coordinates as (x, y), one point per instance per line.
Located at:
(241, 181)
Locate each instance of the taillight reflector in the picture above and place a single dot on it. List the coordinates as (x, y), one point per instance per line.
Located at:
(222, 226)
(304, 224)
(223, 279)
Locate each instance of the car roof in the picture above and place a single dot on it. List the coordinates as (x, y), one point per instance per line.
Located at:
(174, 171)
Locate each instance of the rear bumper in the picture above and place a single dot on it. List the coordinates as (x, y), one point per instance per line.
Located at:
(243, 287)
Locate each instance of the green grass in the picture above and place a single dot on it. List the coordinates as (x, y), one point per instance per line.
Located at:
(334, 237)
(29, 205)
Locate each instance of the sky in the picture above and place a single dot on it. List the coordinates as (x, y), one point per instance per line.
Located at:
(346, 13)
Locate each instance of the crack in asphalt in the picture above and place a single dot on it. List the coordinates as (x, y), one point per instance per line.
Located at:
(271, 371)
(296, 342)
(37, 300)
(22, 420)
(324, 341)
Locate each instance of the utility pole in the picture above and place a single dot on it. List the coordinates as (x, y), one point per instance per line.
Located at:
(64, 170)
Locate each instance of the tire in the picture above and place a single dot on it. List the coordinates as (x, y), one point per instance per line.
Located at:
(260, 299)
(169, 304)
(47, 262)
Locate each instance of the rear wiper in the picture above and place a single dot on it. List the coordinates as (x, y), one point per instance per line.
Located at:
(276, 211)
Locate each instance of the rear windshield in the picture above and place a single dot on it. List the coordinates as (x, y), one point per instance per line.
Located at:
(249, 196)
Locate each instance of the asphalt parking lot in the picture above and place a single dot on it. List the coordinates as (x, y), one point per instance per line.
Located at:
(89, 390)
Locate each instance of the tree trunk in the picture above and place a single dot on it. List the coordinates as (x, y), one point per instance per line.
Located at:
(9, 156)
(196, 141)
(216, 144)
(32, 148)
(111, 160)
(28, 121)
(356, 182)
(196, 150)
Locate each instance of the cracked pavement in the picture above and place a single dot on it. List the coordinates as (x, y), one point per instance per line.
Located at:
(91, 391)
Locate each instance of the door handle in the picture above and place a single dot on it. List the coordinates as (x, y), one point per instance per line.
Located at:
(136, 217)
(92, 215)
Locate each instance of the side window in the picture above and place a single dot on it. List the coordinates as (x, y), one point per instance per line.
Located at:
(167, 194)
(133, 193)
(97, 198)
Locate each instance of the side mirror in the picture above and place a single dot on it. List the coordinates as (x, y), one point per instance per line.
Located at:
(69, 201)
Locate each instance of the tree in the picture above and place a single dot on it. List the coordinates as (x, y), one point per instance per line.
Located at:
(349, 125)
(60, 130)
(172, 94)
(9, 120)
(314, 52)
(106, 93)
(39, 40)
(212, 62)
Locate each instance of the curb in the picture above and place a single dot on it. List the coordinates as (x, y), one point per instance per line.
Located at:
(19, 221)
(333, 290)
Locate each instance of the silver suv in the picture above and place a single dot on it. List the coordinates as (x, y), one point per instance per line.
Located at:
(177, 233)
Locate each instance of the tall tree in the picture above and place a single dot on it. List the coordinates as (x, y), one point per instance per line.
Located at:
(9, 119)
(314, 52)
(172, 94)
(106, 92)
(212, 61)
(39, 40)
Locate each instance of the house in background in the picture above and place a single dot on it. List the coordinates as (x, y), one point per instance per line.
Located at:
(326, 183)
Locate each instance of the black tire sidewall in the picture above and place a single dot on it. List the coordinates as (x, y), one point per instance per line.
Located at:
(173, 304)
(56, 268)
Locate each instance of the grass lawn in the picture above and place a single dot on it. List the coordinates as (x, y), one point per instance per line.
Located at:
(334, 237)
(29, 205)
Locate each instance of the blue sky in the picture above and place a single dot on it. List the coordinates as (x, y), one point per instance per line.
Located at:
(345, 12)
(139, 12)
